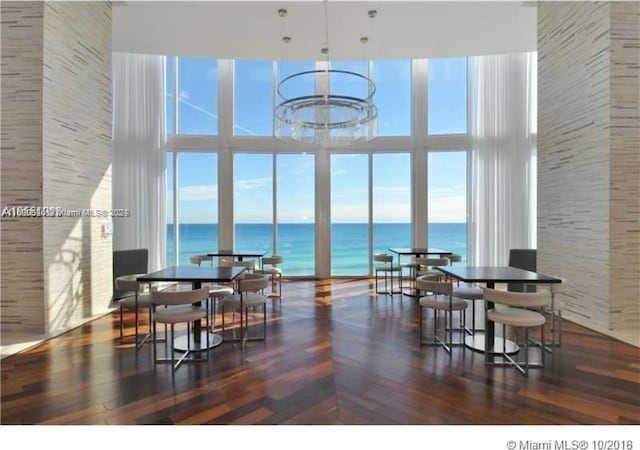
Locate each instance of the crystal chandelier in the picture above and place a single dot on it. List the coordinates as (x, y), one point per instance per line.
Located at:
(331, 117)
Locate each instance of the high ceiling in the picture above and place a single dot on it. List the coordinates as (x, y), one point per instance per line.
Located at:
(254, 30)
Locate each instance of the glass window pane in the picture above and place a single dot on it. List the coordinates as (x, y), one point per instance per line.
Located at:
(197, 204)
(170, 249)
(393, 97)
(448, 202)
(169, 87)
(349, 214)
(253, 98)
(391, 201)
(299, 86)
(350, 85)
(197, 96)
(447, 96)
(296, 213)
(253, 201)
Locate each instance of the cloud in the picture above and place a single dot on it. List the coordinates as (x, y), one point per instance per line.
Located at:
(446, 192)
(448, 209)
(401, 191)
(198, 192)
(349, 213)
(185, 94)
(254, 183)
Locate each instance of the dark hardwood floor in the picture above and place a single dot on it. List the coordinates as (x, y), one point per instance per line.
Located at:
(335, 354)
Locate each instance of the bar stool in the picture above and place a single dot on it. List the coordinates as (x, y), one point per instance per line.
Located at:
(273, 271)
(248, 295)
(440, 299)
(216, 291)
(425, 266)
(388, 269)
(519, 314)
(179, 308)
(473, 294)
(140, 300)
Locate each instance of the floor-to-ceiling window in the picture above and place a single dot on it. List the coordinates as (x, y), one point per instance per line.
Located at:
(447, 200)
(295, 212)
(391, 205)
(447, 170)
(265, 190)
(197, 96)
(349, 214)
(197, 196)
(447, 100)
(253, 201)
(171, 243)
(393, 96)
(370, 208)
(253, 98)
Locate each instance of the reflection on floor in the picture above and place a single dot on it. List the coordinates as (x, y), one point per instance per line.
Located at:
(335, 354)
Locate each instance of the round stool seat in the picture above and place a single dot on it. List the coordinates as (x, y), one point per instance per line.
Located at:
(216, 290)
(516, 317)
(468, 292)
(442, 303)
(429, 277)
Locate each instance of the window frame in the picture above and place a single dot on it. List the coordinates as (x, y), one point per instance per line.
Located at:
(418, 144)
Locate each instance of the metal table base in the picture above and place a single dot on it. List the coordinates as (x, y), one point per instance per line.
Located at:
(476, 343)
(180, 343)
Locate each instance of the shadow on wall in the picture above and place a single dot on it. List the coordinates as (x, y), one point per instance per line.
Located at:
(78, 259)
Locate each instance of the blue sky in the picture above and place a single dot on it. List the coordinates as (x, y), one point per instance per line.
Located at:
(197, 109)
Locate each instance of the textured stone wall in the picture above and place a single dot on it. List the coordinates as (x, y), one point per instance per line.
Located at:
(77, 159)
(21, 51)
(70, 166)
(624, 209)
(588, 158)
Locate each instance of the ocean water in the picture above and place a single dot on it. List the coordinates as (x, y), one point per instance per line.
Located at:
(296, 243)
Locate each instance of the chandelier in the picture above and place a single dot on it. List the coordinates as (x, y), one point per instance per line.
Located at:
(332, 116)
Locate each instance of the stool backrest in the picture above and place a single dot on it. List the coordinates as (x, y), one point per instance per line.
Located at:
(432, 262)
(128, 282)
(179, 297)
(272, 260)
(253, 283)
(517, 299)
(437, 287)
(127, 262)
(382, 257)
(526, 259)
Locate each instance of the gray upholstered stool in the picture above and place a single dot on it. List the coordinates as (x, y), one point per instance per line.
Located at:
(519, 314)
(440, 298)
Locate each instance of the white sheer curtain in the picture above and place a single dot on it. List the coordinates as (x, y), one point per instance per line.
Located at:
(502, 110)
(138, 172)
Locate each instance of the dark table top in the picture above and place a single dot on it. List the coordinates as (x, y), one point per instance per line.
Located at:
(480, 274)
(418, 251)
(193, 273)
(243, 253)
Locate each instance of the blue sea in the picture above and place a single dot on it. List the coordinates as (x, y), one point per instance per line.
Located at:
(296, 243)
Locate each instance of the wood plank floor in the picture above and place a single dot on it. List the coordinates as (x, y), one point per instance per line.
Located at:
(336, 354)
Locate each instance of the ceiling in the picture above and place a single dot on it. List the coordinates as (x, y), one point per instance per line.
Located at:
(254, 30)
